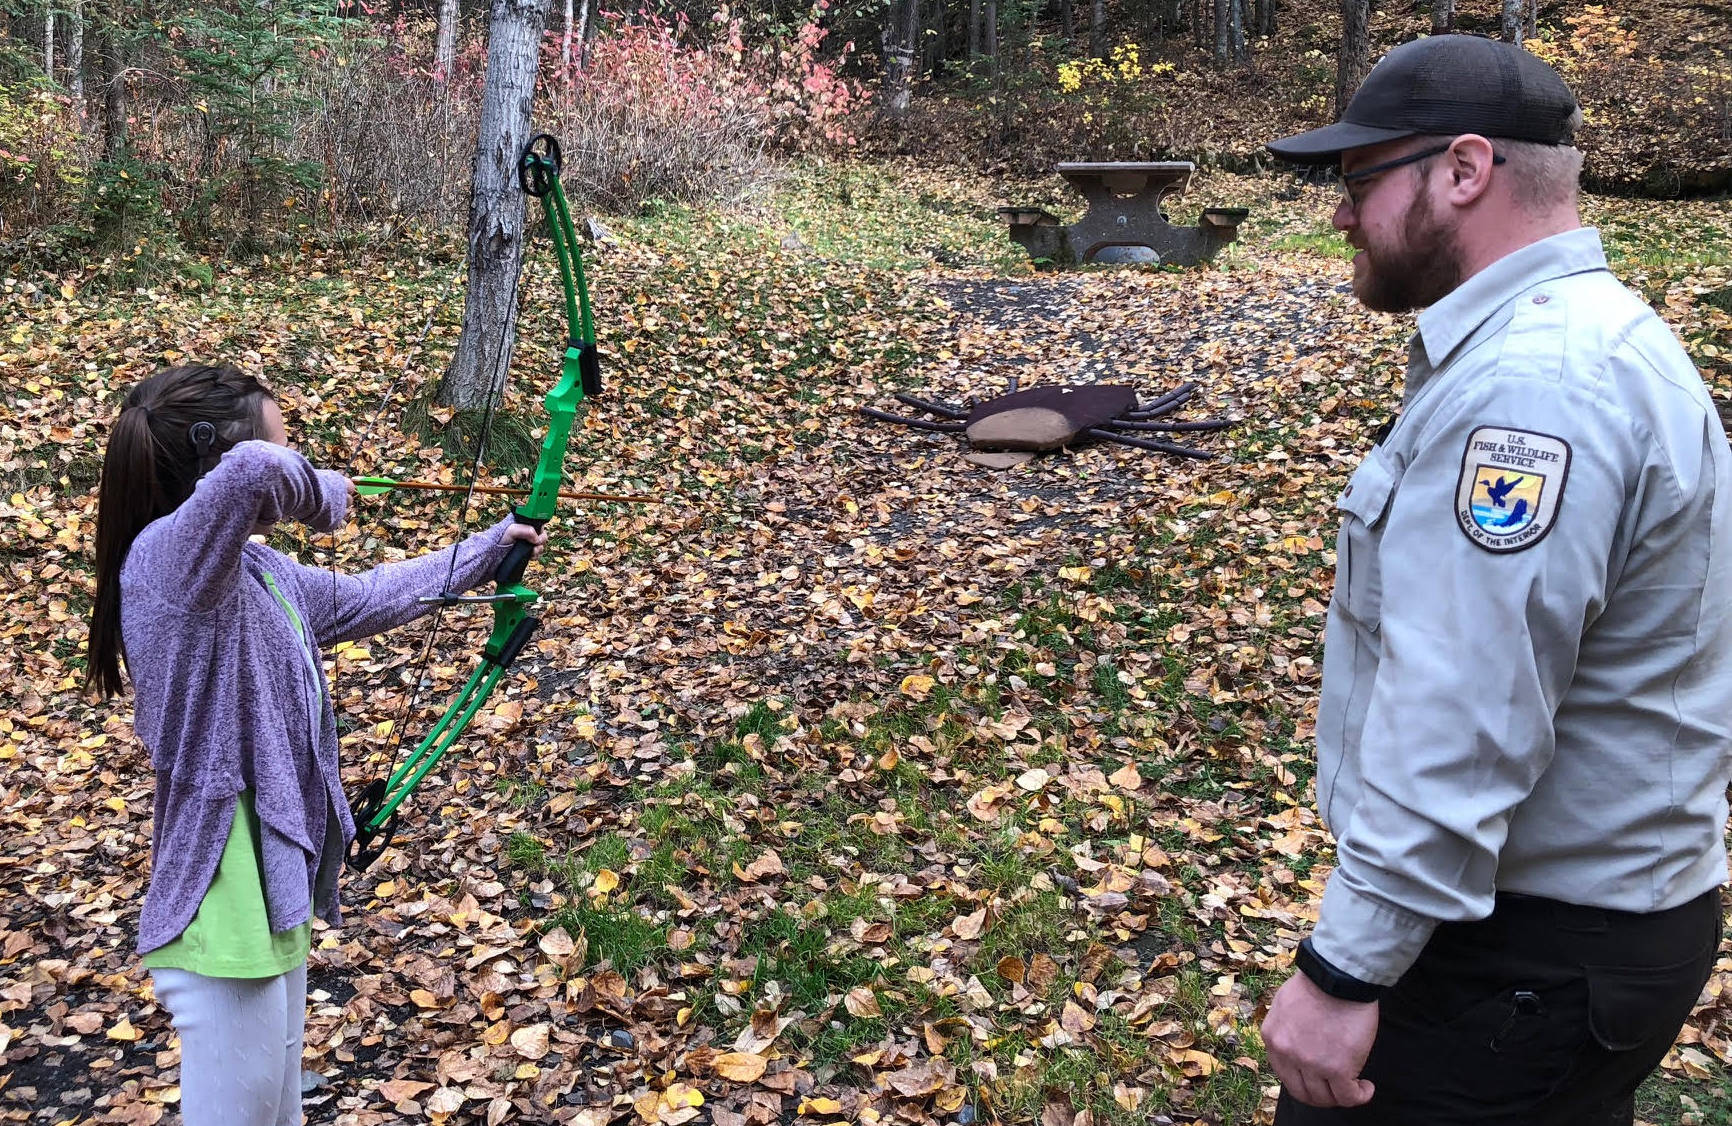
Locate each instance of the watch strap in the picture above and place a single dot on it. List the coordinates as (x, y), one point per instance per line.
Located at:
(1337, 983)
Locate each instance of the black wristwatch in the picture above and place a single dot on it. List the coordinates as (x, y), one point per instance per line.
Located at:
(1339, 984)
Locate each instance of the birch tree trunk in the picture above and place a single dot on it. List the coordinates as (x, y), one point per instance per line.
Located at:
(75, 54)
(496, 206)
(565, 44)
(445, 50)
(1353, 62)
(48, 41)
(1511, 29)
(1442, 17)
(585, 29)
(898, 56)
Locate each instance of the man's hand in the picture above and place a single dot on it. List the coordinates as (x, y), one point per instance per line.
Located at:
(1318, 1044)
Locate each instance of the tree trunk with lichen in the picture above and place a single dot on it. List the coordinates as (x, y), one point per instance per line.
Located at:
(75, 54)
(901, 24)
(1511, 24)
(445, 47)
(497, 207)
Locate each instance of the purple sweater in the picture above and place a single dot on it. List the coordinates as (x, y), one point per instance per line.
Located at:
(224, 693)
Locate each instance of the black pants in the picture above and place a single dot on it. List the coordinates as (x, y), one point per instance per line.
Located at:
(1542, 1014)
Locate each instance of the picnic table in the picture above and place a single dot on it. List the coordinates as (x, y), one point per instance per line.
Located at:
(1125, 221)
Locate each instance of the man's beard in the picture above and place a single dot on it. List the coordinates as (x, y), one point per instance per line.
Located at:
(1420, 271)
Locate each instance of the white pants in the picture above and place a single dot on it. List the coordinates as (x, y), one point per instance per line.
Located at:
(240, 1045)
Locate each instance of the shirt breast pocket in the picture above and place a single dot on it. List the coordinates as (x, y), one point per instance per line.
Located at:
(1363, 505)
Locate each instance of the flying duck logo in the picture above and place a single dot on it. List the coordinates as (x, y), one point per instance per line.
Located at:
(1511, 484)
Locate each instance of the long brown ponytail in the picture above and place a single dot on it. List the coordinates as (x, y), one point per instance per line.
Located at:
(171, 431)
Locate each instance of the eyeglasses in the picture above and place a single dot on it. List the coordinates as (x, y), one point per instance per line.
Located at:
(1352, 183)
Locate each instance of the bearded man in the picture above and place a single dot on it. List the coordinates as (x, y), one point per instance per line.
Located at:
(1526, 716)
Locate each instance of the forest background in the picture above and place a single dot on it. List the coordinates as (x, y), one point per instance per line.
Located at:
(852, 782)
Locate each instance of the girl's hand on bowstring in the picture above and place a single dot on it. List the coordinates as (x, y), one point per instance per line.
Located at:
(529, 535)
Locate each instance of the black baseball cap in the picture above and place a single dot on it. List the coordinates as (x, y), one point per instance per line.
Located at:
(1445, 85)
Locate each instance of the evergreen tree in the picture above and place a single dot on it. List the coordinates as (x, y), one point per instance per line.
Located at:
(245, 63)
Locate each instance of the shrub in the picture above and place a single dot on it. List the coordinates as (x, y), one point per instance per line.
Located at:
(648, 112)
(395, 142)
(39, 171)
(649, 116)
(808, 98)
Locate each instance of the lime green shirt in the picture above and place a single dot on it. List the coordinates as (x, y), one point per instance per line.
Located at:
(230, 936)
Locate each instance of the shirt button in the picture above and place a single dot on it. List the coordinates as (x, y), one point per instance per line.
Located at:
(1541, 299)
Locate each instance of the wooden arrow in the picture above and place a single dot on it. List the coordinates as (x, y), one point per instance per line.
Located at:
(373, 486)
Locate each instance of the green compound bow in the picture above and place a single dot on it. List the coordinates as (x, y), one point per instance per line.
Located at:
(376, 808)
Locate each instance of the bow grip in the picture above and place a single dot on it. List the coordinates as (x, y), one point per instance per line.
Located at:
(510, 571)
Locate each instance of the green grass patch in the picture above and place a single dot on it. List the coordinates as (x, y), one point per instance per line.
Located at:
(524, 851)
(617, 934)
(1667, 1101)
(797, 955)
(1324, 241)
(523, 793)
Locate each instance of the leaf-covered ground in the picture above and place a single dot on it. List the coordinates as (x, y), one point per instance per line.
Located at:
(854, 782)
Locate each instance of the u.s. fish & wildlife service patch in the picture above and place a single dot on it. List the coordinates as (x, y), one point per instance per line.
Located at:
(1511, 484)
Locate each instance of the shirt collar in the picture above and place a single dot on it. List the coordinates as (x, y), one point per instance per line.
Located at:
(1452, 320)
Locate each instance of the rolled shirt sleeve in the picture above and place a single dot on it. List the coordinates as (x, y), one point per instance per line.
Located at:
(1475, 647)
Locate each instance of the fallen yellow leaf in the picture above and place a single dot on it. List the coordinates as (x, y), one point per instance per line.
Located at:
(917, 687)
(741, 1067)
(819, 1105)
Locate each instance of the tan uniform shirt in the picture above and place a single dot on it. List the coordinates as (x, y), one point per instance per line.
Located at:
(1527, 675)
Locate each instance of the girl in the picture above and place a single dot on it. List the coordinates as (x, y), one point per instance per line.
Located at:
(221, 638)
